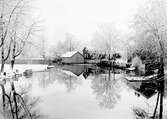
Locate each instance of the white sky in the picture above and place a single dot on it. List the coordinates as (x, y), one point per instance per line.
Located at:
(81, 17)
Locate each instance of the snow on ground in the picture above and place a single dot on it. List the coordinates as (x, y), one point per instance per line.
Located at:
(23, 67)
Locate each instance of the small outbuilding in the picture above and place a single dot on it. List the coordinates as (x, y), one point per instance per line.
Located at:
(73, 57)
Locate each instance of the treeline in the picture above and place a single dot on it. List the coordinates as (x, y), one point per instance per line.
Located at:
(92, 55)
(150, 27)
(147, 41)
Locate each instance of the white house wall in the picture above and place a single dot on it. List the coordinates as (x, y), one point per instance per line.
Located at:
(76, 58)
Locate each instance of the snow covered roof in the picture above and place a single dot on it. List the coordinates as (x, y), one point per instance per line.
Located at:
(69, 54)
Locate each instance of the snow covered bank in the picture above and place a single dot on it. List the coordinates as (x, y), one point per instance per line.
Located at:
(23, 67)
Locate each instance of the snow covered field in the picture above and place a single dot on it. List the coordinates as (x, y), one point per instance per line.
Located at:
(23, 67)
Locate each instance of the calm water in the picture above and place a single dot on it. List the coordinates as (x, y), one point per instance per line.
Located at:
(86, 92)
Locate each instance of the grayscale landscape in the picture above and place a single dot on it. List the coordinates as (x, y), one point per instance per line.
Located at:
(83, 59)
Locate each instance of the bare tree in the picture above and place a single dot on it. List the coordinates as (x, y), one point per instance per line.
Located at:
(19, 40)
(106, 39)
(27, 36)
(69, 44)
(5, 18)
(8, 10)
(152, 19)
(145, 46)
(14, 29)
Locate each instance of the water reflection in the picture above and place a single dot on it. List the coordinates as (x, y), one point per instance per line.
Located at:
(86, 92)
(49, 77)
(18, 105)
(157, 113)
(106, 90)
(145, 88)
(104, 83)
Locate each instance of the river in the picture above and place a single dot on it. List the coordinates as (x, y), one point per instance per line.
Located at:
(86, 92)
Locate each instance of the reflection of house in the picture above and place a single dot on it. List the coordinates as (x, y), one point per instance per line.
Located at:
(144, 88)
(85, 70)
(75, 69)
(72, 58)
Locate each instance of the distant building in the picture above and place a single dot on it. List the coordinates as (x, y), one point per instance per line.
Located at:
(73, 57)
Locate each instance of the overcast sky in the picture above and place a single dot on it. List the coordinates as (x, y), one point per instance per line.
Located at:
(81, 17)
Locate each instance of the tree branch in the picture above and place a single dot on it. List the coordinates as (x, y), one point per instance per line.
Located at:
(24, 40)
(9, 49)
(10, 16)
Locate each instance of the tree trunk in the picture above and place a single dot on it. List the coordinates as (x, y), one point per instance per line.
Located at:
(2, 58)
(14, 99)
(2, 66)
(12, 63)
(155, 110)
(109, 73)
(13, 55)
(161, 79)
(161, 70)
(3, 96)
(161, 89)
(161, 106)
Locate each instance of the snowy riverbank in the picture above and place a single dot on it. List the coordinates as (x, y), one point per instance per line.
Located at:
(23, 67)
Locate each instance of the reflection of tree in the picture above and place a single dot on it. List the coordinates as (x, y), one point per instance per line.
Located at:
(106, 90)
(98, 71)
(19, 105)
(165, 88)
(49, 77)
(45, 78)
(142, 114)
(71, 82)
(87, 72)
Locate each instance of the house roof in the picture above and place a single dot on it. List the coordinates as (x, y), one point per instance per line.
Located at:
(69, 54)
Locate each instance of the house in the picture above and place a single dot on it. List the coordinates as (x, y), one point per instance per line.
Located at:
(73, 57)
